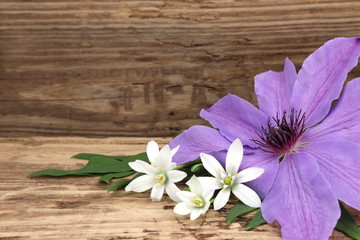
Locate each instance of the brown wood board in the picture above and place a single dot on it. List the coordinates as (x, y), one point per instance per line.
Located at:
(146, 68)
(79, 207)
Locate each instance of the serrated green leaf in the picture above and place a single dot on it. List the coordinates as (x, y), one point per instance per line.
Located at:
(119, 184)
(347, 224)
(257, 220)
(197, 167)
(106, 178)
(236, 211)
(96, 164)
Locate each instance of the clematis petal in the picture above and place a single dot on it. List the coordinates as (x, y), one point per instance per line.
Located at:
(174, 150)
(246, 195)
(222, 198)
(304, 207)
(143, 167)
(186, 196)
(182, 208)
(157, 192)
(212, 165)
(321, 77)
(164, 159)
(249, 174)
(235, 118)
(274, 89)
(176, 175)
(338, 161)
(210, 183)
(140, 184)
(267, 161)
(172, 190)
(195, 185)
(152, 151)
(195, 213)
(343, 120)
(234, 157)
(195, 140)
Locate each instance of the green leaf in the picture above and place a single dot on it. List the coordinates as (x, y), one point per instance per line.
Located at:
(236, 211)
(106, 178)
(347, 224)
(51, 172)
(96, 164)
(257, 220)
(178, 134)
(188, 164)
(197, 168)
(88, 156)
(119, 184)
(140, 156)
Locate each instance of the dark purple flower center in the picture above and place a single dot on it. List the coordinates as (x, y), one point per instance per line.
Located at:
(282, 135)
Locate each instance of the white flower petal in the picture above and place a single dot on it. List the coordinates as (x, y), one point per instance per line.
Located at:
(174, 150)
(249, 174)
(152, 151)
(157, 192)
(182, 208)
(222, 198)
(206, 207)
(143, 167)
(171, 190)
(186, 196)
(164, 159)
(212, 165)
(246, 195)
(195, 213)
(172, 165)
(195, 185)
(208, 194)
(176, 175)
(210, 183)
(140, 184)
(234, 157)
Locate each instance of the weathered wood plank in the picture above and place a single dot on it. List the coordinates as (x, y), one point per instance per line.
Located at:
(146, 68)
(80, 208)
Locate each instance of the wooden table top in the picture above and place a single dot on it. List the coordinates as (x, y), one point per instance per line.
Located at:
(80, 207)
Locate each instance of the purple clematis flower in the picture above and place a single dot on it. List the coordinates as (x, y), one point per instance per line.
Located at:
(310, 151)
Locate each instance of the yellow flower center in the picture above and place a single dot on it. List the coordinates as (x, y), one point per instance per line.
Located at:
(228, 180)
(159, 179)
(197, 202)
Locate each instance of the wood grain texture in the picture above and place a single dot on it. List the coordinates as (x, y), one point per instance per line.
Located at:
(79, 207)
(146, 68)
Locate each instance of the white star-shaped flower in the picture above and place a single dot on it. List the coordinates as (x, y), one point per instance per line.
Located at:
(231, 180)
(196, 202)
(159, 175)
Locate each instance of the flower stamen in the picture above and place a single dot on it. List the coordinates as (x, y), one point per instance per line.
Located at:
(197, 202)
(282, 137)
(159, 179)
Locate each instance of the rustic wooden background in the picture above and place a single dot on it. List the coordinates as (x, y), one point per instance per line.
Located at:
(79, 208)
(146, 68)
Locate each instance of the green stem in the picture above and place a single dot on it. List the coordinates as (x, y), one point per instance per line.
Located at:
(185, 165)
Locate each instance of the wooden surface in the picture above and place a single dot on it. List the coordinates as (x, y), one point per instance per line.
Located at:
(79, 207)
(146, 68)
